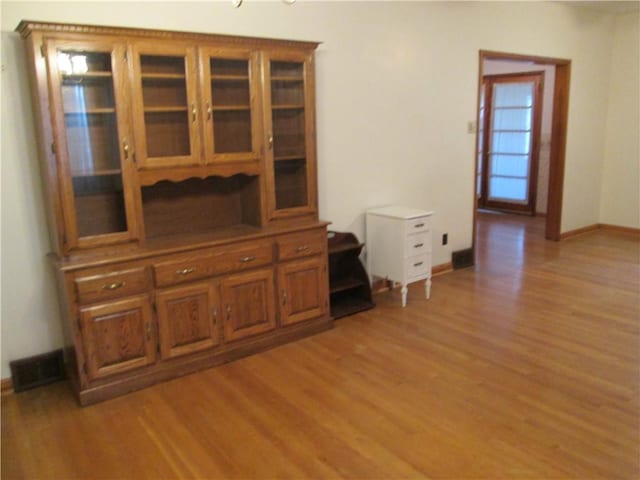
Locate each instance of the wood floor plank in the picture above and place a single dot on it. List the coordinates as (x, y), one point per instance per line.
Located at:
(525, 366)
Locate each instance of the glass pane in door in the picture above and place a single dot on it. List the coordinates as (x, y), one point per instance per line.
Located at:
(90, 120)
(510, 137)
(289, 127)
(166, 107)
(231, 105)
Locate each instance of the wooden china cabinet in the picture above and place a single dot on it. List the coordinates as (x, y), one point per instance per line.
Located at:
(180, 171)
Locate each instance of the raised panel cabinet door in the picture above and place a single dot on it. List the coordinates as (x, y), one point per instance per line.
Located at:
(289, 119)
(187, 318)
(248, 306)
(303, 291)
(166, 111)
(232, 121)
(118, 336)
(89, 92)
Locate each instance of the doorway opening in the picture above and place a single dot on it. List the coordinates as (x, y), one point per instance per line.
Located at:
(556, 141)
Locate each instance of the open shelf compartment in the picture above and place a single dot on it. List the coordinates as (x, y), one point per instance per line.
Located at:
(350, 291)
(200, 206)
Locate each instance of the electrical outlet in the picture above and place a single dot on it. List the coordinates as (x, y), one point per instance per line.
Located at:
(445, 238)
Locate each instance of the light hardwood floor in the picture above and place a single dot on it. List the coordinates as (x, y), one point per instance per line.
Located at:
(526, 366)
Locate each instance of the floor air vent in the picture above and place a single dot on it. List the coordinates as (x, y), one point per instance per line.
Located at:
(38, 370)
(462, 258)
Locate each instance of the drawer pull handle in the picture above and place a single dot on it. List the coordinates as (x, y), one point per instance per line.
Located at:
(113, 286)
(250, 258)
(184, 271)
(214, 314)
(418, 245)
(228, 312)
(418, 225)
(417, 264)
(284, 298)
(148, 330)
(302, 248)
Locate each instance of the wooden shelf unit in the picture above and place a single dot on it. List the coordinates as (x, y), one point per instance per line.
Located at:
(181, 181)
(349, 288)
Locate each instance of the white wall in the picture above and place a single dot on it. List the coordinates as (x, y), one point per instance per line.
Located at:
(621, 173)
(397, 84)
(495, 67)
(29, 315)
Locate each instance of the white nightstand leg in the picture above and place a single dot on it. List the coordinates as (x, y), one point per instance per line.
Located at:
(427, 288)
(404, 294)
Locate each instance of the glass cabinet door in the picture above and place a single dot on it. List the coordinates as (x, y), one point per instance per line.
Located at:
(231, 124)
(91, 144)
(166, 112)
(290, 137)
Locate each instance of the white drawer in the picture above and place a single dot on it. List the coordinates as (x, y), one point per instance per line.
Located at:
(418, 266)
(419, 224)
(417, 244)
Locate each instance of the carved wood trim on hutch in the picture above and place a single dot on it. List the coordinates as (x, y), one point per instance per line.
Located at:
(26, 27)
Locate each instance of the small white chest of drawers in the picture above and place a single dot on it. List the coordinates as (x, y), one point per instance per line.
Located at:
(399, 246)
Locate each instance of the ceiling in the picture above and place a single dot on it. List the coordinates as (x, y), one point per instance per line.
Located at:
(607, 7)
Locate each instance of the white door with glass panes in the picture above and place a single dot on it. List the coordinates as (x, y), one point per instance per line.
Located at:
(510, 113)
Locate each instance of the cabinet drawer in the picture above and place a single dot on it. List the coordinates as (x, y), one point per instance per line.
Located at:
(420, 224)
(213, 262)
(302, 244)
(92, 288)
(418, 244)
(418, 266)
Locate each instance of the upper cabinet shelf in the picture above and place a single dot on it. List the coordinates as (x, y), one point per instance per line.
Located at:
(163, 76)
(90, 111)
(164, 109)
(85, 76)
(287, 78)
(288, 107)
(231, 108)
(230, 78)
